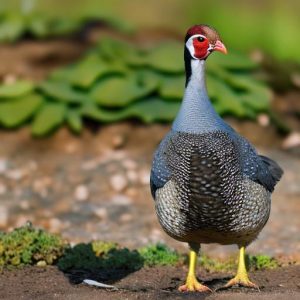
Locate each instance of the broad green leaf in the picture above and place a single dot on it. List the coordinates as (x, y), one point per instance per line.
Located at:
(226, 101)
(61, 26)
(38, 25)
(96, 113)
(73, 119)
(166, 57)
(16, 89)
(11, 27)
(112, 49)
(119, 91)
(172, 87)
(62, 91)
(15, 113)
(232, 61)
(48, 118)
(85, 73)
(152, 109)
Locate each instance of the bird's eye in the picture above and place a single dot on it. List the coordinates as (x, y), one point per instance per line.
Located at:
(200, 39)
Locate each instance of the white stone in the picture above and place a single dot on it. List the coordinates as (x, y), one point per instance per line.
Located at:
(293, 140)
(81, 193)
(15, 174)
(144, 176)
(101, 212)
(121, 200)
(263, 120)
(3, 188)
(118, 182)
(132, 175)
(129, 164)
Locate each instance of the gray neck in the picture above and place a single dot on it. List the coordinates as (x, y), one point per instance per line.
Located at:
(196, 114)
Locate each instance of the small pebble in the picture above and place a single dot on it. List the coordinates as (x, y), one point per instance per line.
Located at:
(3, 216)
(3, 165)
(15, 174)
(81, 193)
(292, 141)
(263, 120)
(118, 141)
(118, 182)
(126, 218)
(101, 212)
(121, 200)
(132, 175)
(129, 164)
(3, 188)
(144, 176)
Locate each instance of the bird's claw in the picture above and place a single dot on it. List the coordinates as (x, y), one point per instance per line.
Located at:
(192, 285)
(241, 281)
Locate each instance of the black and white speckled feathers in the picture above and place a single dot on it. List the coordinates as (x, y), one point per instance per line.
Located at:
(202, 193)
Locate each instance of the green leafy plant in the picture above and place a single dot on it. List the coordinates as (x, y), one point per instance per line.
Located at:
(259, 262)
(118, 80)
(100, 255)
(28, 245)
(159, 255)
(14, 25)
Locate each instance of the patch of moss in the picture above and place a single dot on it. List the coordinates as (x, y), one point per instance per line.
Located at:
(253, 262)
(100, 255)
(159, 255)
(260, 262)
(28, 245)
(217, 265)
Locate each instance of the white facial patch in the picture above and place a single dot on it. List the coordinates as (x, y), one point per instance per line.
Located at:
(190, 46)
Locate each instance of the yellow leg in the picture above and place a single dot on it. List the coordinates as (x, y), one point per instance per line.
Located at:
(241, 277)
(192, 284)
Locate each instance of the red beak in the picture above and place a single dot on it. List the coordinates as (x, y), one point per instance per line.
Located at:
(219, 46)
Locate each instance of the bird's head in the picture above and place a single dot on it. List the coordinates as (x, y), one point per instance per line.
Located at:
(201, 40)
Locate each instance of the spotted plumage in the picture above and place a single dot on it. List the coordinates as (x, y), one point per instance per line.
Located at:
(208, 182)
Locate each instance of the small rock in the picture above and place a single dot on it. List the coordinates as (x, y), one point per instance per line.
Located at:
(9, 79)
(129, 164)
(132, 175)
(295, 77)
(3, 188)
(121, 200)
(144, 176)
(101, 212)
(41, 263)
(24, 204)
(292, 141)
(263, 120)
(126, 218)
(118, 141)
(81, 193)
(3, 216)
(3, 165)
(15, 174)
(55, 225)
(118, 182)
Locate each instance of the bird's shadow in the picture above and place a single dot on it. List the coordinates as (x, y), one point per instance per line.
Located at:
(81, 262)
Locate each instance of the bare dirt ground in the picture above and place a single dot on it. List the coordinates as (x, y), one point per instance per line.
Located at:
(154, 283)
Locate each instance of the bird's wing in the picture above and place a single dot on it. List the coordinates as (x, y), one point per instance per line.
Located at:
(160, 173)
(258, 168)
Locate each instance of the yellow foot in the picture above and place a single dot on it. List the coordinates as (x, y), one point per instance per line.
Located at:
(193, 285)
(242, 280)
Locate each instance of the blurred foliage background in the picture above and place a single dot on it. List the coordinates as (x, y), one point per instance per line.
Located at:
(117, 79)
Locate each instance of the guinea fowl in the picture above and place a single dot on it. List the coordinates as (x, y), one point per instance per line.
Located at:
(208, 182)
